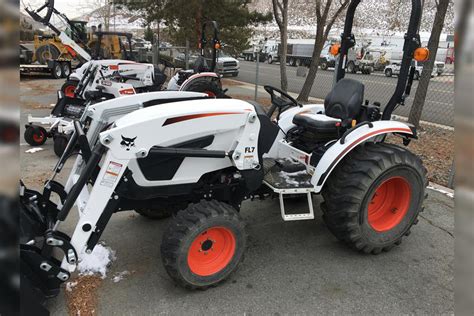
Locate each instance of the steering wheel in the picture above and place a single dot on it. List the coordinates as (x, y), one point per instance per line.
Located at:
(282, 102)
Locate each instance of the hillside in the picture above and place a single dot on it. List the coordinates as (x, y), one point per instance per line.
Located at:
(380, 16)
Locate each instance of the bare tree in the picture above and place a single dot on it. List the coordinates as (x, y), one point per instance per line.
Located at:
(327, 12)
(99, 10)
(280, 12)
(433, 43)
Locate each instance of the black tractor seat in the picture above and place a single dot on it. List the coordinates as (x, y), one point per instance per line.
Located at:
(317, 123)
(341, 106)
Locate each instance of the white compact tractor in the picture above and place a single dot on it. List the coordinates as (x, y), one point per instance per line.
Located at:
(200, 158)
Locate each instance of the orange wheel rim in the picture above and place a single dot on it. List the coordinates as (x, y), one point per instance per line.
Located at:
(38, 137)
(211, 251)
(69, 91)
(389, 204)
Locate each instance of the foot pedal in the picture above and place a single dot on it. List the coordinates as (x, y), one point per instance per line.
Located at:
(296, 217)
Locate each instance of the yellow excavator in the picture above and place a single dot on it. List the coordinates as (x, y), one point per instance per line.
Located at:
(52, 47)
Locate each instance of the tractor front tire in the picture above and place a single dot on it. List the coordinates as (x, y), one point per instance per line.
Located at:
(60, 144)
(35, 135)
(374, 196)
(69, 87)
(204, 244)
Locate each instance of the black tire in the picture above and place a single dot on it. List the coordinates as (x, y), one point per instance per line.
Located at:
(155, 213)
(235, 74)
(56, 71)
(60, 144)
(191, 236)
(416, 76)
(324, 65)
(298, 62)
(352, 186)
(388, 73)
(35, 135)
(291, 62)
(270, 59)
(46, 52)
(68, 88)
(351, 67)
(65, 69)
(206, 86)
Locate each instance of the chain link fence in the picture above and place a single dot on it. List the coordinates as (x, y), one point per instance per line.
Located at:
(436, 143)
(379, 86)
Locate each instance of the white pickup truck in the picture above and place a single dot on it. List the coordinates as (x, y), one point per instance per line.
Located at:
(394, 69)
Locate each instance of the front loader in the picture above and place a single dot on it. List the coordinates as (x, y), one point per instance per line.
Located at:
(200, 158)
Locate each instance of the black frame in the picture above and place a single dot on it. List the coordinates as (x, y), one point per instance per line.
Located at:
(412, 42)
(215, 40)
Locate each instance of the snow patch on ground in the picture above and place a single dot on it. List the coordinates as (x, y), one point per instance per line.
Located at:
(119, 276)
(70, 286)
(449, 194)
(33, 150)
(289, 177)
(97, 262)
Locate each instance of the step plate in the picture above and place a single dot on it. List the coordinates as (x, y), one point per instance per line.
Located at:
(281, 180)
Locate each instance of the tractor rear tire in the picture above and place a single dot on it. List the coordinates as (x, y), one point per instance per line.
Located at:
(211, 88)
(204, 244)
(47, 52)
(35, 135)
(374, 196)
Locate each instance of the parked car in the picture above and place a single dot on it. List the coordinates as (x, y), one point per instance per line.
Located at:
(227, 65)
(394, 69)
(439, 67)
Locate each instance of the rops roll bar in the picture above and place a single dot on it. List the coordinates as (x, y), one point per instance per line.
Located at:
(215, 42)
(412, 42)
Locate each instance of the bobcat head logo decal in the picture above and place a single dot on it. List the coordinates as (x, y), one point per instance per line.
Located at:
(128, 142)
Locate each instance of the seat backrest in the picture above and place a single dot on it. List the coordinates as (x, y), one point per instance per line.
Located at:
(200, 65)
(345, 99)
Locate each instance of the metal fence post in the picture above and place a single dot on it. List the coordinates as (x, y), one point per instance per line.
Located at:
(256, 75)
(452, 172)
(154, 55)
(186, 54)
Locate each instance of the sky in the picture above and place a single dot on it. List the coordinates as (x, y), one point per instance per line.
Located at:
(72, 8)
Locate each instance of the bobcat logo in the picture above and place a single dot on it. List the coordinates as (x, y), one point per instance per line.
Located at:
(128, 142)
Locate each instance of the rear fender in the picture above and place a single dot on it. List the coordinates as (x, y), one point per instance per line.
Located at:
(196, 77)
(352, 139)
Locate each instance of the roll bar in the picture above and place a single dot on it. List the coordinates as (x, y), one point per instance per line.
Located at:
(412, 42)
(215, 41)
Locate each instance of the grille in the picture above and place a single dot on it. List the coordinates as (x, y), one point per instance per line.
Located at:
(230, 64)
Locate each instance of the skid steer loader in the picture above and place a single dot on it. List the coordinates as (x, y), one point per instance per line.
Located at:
(202, 158)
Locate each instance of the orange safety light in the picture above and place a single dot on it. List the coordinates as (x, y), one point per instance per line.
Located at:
(421, 54)
(334, 50)
(217, 45)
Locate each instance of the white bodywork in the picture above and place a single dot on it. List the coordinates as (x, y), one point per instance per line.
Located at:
(110, 67)
(235, 127)
(174, 86)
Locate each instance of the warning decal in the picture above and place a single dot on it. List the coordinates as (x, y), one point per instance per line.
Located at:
(111, 174)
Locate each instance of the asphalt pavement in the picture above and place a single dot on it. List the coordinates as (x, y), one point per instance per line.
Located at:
(438, 108)
(289, 267)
